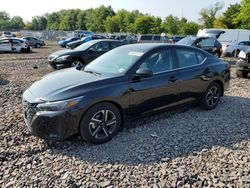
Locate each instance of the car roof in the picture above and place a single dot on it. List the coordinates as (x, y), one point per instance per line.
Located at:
(15, 38)
(146, 47)
(100, 40)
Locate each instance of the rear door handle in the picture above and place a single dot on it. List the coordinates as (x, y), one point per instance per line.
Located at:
(172, 79)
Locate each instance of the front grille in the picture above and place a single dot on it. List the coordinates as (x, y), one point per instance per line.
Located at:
(29, 110)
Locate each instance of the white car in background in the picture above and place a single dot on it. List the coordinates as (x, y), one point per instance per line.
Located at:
(14, 45)
(233, 50)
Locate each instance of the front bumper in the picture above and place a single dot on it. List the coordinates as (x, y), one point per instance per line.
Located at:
(59, 65)
(53, 125)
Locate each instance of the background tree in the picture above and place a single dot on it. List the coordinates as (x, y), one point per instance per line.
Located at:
(229, 18)
(4, 20)
(171, 25)
(208, 15)
(16, 23)
(95, 18)
(144, 24)
(189, 28)
(244, 16)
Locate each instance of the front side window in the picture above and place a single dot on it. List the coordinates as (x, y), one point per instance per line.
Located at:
(101, 46)
(159, 61)
(188, 58)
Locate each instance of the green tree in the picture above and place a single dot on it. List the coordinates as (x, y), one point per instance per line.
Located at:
(112, 24)
(244, 16)
(189, 28)
(229, 18)
(171, 24)
(53, 20)
(144, 24)
(95, 18)
(16, 23)
(38, 23)
(4, 20)
(208, 15)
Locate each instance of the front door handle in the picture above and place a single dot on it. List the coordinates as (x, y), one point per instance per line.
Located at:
(172, 79)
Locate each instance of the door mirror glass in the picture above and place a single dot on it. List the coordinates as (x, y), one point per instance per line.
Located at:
(144, 72)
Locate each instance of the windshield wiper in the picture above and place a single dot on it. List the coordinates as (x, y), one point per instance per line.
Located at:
(92, 72)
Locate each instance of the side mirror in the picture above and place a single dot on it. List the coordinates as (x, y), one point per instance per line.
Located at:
(91, 50)
(144, 72)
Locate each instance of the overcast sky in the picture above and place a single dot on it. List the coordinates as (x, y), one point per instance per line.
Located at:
(186, 8)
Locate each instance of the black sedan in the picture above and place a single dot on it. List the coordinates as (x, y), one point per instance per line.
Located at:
(83, 54)
(210, 44)
(74, 44)
(125, 83)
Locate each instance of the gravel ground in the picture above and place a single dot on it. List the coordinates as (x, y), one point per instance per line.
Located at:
(182, 148)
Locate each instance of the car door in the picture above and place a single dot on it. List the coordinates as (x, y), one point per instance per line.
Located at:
(158, 91)
(193, 73)
(16, 45)
(5, 45)
(98, 49)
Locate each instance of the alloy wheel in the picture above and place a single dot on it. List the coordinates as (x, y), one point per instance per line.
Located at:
(102, 124)
(76, 64)
(213, 96)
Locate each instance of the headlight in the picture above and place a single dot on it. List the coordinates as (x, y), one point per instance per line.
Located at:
(62, 58)
(242, 54)
(59, 105)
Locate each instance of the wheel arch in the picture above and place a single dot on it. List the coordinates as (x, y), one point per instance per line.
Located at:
(220, 84)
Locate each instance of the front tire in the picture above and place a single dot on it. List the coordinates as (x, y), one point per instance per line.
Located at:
(100, 123)
(211, 96)
(76, 63)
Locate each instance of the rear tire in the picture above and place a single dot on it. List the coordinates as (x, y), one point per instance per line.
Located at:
(37, 46)
(100, 123)
(211, 97)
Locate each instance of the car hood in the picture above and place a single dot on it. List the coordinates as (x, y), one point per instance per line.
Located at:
(63, 84)
(61, 52)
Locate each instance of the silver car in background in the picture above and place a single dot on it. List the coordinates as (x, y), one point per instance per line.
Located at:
(14, 45)
(233, 50)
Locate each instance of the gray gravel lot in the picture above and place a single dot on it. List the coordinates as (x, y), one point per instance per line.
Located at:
(187, 147)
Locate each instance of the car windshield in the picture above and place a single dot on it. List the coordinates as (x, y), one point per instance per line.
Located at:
(84, 46)
(187, 41)
(114, 62)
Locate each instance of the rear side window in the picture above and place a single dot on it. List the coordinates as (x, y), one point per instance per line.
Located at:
(188, 58)
(201, 57)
